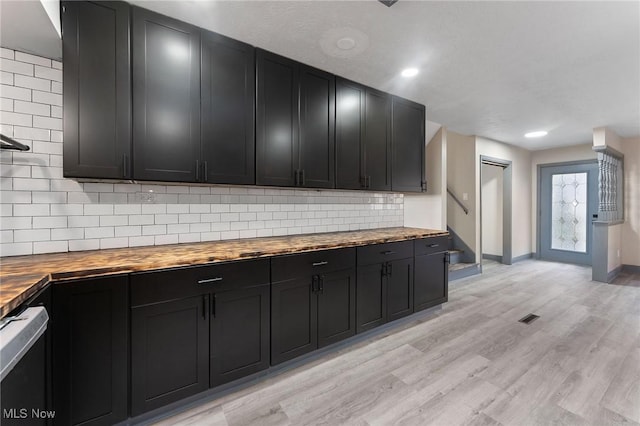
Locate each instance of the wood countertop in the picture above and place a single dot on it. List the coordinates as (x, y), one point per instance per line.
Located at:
(23, 276)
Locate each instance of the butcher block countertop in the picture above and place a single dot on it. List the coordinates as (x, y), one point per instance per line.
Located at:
(23, 276)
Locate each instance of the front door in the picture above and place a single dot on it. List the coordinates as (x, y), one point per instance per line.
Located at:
(568, 203)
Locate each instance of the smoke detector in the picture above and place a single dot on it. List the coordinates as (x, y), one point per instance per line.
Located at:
(388, 3)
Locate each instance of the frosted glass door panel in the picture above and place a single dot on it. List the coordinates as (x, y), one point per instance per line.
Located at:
(569, 212)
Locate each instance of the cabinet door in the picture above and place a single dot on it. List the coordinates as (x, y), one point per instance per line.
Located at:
(169, 352)
(377, 141)
(431, 280)
(166, 98)
(97, 90)
(317, 128)
(239, 333)
(293, 319)
(350, 121)
(408, 145)
(399, 288)
(371, 297)
(90, 327)
(336, 307)
(228, 96)
(277, 120)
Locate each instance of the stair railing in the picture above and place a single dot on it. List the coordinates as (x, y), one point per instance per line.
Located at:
(457, 200)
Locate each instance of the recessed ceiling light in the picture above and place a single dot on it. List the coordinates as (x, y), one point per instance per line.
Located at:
(536, 134)
(409, 72)
(346, 43)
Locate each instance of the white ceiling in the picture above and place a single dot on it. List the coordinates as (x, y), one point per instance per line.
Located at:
(493, 69)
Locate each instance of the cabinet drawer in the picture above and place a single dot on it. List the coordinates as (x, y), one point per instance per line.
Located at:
(317, 262)
(159, 286)
(431, 245)
(384, 252)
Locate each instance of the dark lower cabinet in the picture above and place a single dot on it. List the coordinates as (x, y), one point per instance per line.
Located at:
(399, 288)
(169, 352)
(90, 329)
(97, 89)
(239, 343)
(371, 297)
(166, 98)
(431, 280)
(313, 302)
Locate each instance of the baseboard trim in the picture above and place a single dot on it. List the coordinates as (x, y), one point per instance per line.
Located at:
(523, 257)
(631, 269)
(613, 274)
(494, 257)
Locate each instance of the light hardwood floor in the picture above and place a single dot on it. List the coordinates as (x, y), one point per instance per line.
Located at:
(472, 362)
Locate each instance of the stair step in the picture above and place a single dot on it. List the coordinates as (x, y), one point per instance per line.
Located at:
(455, 256)
(463, 270)
(458, 266)
(454, 251)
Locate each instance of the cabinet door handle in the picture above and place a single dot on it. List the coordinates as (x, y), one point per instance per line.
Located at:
(213, 306)
(384, 270)
(205, 173)
(125, 165)
(363, 181)
(302, 177)
(387, 252)
(433, 245)
(314, 284)
(321, 282)
(320, 263)
(210, 280)
(368, 181)
(389, 269)
(197, 170)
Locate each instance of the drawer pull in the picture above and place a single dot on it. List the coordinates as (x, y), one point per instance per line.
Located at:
(433, 245)
(320, 263)
(210, 280)
(388, 252)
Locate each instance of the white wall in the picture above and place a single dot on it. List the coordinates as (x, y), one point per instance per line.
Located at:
(429, 210)
(42, 212)
(630, 230)
(462, 179)
(521, 190)
(491, 201)
(549, 156)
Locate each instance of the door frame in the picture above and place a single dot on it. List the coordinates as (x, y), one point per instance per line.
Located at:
(507, 185)
(538, 254)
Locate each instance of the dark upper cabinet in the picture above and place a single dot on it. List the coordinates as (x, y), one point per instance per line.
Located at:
(97, 89)
(431, 281)
(90, 333)
(277, 121)
(169, 351)
(350, 129)
(313, 302)
(408, 142)
(166, 98)
(363, 137)
(228, 102)
(377, 140)
(317, 129)
(294, 123)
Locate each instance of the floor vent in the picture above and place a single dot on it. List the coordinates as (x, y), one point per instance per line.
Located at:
(529, 319)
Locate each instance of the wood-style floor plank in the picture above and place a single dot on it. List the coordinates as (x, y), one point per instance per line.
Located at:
(471, 362)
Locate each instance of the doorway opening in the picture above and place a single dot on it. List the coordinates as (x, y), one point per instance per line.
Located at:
(495, 209)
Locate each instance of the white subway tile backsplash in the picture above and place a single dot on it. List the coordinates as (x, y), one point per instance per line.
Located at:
(42, 247)
(12, 92)
(32, 59)
(32, 82)
(48, 73)
(44, 212)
